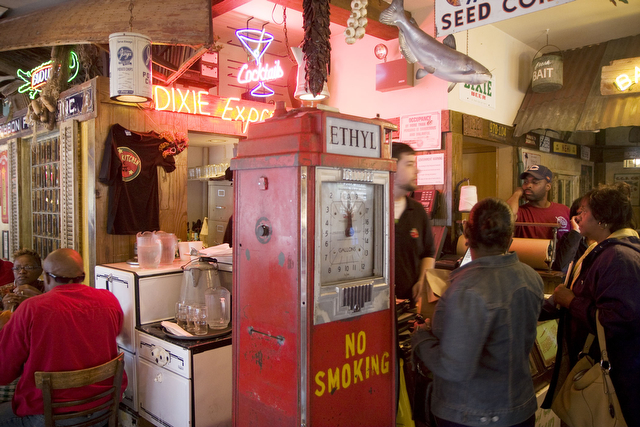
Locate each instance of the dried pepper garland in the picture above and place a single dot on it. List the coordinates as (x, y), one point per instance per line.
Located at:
(316, 46)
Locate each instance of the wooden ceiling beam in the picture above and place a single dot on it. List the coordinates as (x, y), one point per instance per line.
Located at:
(185, 22)
(220, 7)
(186, 64)
(341, 11)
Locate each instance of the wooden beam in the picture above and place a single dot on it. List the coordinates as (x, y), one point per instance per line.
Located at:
(610, 154)
(183, 22)
(341, 10)
(186, 64)
(161, 62)
(220, 7)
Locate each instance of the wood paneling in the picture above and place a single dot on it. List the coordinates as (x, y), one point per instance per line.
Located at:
(172, 186)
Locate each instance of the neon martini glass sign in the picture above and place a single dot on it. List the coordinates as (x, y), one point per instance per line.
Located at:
(257, 42)
(37, 77)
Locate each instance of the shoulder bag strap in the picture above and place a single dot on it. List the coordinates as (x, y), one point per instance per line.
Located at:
(603, 344)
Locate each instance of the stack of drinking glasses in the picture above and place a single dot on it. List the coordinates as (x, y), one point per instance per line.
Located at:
(192, 317)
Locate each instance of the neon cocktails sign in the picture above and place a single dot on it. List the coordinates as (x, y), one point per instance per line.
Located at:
(257, 42)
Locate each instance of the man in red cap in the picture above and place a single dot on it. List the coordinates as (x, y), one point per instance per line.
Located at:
(535, 188)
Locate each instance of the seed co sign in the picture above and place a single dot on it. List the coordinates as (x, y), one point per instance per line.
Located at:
(453, 16)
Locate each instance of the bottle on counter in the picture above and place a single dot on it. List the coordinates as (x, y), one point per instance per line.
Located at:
(218, 300)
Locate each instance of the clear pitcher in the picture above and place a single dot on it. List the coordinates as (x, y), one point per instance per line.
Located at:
(169, 243)
(149, 249)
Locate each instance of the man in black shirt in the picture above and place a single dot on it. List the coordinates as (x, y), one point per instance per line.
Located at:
(414, 251)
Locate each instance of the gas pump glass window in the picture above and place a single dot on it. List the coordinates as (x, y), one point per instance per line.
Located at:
(351, 225)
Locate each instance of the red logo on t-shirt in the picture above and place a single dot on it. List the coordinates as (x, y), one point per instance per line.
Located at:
(414, 233)
(131, 164)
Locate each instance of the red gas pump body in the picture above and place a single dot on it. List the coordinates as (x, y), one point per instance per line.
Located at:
(289, 370)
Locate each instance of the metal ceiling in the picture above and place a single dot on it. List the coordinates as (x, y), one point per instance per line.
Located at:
(579, 106)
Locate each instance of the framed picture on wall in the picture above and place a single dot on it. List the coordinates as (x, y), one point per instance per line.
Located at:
(633, 179)
(5, 244)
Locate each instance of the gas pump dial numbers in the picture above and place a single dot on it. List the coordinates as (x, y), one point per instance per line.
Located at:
(347, 231)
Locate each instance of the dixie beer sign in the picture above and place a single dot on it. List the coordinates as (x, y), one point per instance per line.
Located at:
(620, 77)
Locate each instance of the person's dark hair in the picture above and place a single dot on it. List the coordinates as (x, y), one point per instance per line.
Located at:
(400, 148)
(575, 206)
(611, 205)
(33, 254)
(490, 225)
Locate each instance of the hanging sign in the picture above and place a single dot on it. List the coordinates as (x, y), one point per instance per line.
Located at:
(483, 95)
(453, 16)
(201, 103)
(37, 77)
(256, 42)
(621, 76)
(421, 131)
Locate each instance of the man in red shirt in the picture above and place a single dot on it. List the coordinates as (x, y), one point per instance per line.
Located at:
(69, 327)
(535, 188)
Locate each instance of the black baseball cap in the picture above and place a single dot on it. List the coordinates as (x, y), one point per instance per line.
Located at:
(538, 171)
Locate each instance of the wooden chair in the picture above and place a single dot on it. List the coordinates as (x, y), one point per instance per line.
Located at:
(49, 381)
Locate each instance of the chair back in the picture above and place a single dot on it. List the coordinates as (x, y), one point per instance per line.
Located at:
(49, 381)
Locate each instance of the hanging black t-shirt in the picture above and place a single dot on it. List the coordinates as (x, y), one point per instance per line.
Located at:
(129, 168)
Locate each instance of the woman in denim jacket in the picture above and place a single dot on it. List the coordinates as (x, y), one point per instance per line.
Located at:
(483, 329)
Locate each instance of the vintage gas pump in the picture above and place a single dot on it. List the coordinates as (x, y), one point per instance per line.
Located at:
(313, 320)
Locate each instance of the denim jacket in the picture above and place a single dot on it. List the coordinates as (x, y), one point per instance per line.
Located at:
(483, 329)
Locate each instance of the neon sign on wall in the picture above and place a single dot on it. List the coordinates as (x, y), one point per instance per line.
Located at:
(201, 103)
(257, 42)
(620, 76)
(38, 76)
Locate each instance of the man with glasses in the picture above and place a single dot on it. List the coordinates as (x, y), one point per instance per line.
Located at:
(69, 327)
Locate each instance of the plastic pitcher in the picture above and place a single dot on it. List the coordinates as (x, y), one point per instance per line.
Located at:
(169, 243)
(149, 249)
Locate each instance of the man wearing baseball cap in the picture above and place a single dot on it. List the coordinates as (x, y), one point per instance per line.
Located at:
(535, 188)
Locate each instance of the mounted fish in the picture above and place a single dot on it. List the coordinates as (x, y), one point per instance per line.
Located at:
(440, 59)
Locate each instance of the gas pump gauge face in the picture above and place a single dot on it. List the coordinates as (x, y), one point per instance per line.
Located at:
(347, 227)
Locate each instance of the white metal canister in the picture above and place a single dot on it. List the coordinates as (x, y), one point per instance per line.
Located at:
(130, 67)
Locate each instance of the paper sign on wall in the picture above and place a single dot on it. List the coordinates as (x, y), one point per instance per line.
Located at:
(430, 169)
(421, 131)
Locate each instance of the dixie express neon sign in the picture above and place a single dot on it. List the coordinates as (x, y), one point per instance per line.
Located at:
(189, 101)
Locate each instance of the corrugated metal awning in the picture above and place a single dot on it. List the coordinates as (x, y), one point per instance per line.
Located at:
(579, 106)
